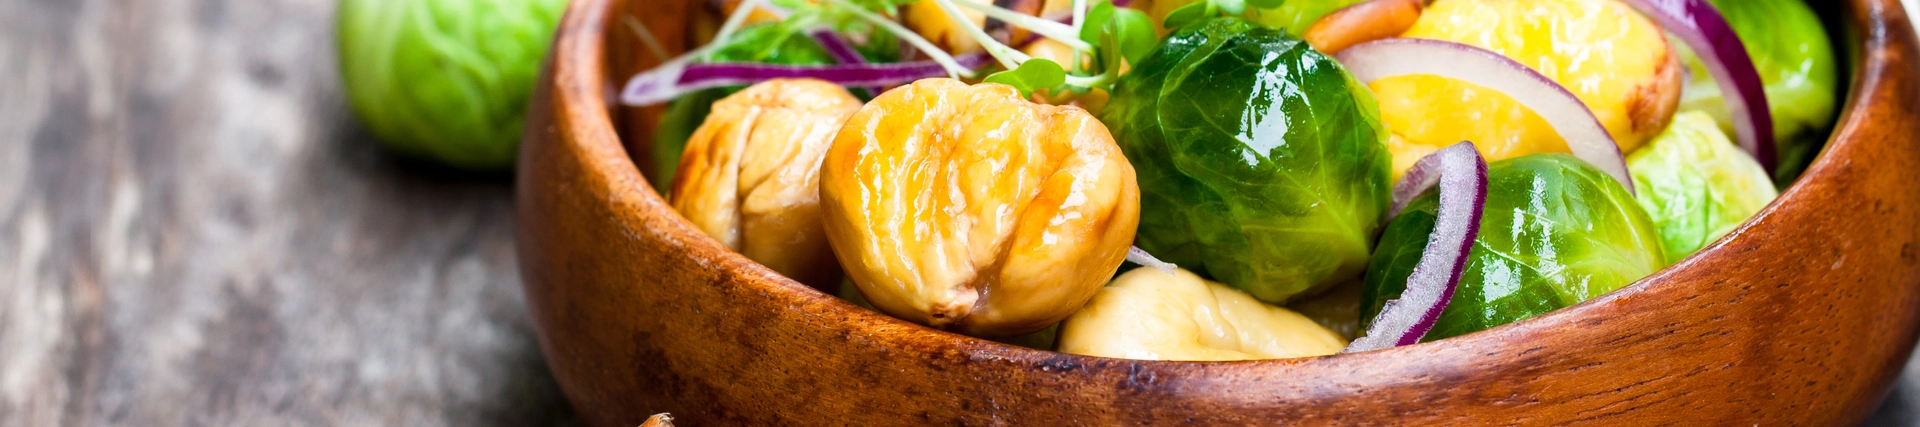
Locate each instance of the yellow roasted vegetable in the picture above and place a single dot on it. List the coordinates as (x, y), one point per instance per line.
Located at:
(970, 209)
(1612, 58)
(749, 176)
(1151, 315)
(926, 18)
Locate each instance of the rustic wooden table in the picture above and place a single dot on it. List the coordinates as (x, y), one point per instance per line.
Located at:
(195, 230)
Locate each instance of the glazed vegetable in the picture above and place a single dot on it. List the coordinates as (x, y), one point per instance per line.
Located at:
(970, 209)
(1261, 161)
(1149, 314)
(750, 176)
(1459, 176)
(445, 79)
(1696, 185)
(1556, 231)
(1615, 60)
(1576, 126)
(1792, 53)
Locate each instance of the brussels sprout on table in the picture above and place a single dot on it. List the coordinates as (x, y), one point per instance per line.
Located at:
(443, 79)
(1696, 185)
(1556, 232)
(1262, 163)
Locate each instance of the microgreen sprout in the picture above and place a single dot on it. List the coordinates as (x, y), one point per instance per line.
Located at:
(1109, 37)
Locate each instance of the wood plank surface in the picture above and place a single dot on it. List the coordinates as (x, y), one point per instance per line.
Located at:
(194, 230)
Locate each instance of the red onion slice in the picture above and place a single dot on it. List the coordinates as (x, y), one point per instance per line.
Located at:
(1462, 176)
(841, 50)
(1138, 256)
(1569, 117)
(836, 46)
(1702, 27)
(670, 81)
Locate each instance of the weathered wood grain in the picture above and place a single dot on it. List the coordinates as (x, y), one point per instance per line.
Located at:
(194, 231)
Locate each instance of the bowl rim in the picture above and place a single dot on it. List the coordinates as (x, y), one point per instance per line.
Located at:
(581, 84)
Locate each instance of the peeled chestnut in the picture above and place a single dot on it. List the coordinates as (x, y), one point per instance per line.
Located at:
(1151, 315)
(750, 175)
(971, 209)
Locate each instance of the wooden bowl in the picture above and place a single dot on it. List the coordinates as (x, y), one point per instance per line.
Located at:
(1802, 317)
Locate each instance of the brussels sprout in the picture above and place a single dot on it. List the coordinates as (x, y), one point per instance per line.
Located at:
(447, 80)
(784, 42)
(1697, 185)
(1557, 231)
(1262, 163)
(1795, 59)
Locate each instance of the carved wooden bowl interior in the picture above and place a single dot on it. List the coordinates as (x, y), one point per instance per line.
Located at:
(1804, 316)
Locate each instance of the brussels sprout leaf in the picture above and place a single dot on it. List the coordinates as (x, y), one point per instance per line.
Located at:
(1266, 4)
(1188, 14)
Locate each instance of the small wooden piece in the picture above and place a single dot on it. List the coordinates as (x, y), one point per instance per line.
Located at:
(1363, 22)
(659, 420)
(1802, 317)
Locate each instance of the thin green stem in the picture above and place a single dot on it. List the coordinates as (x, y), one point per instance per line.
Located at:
(1079, 26)
(945, 60)
(1008, 57)
(1070, 35)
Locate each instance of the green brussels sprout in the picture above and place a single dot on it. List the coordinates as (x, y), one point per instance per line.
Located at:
(784, 42)
(1261, 162)
(1557, 231)
(446, 80)
(1296, 15)
(1696, 184)
(1795, 59)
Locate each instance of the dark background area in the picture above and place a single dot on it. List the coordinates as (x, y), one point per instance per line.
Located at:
(194, 230)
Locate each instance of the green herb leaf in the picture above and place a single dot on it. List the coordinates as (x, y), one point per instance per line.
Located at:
(1133, 34)
(1098, 16)
(1034, 74)
(1231, 7)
